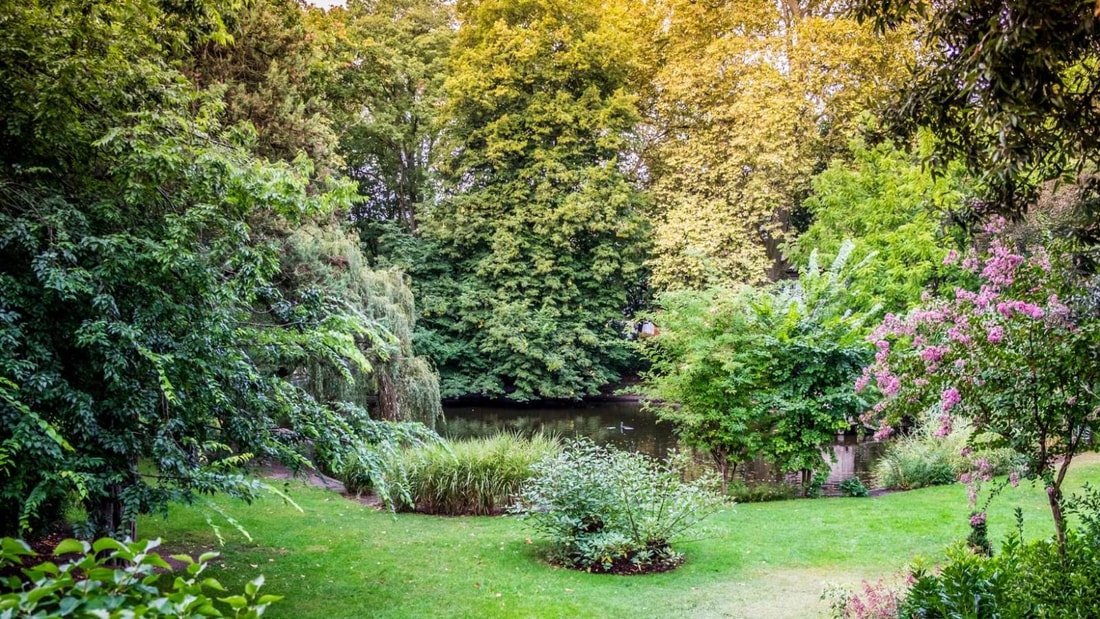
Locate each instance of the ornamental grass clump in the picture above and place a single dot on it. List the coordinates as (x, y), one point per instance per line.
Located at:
(465, 477)
(606, 510)
(923, 459)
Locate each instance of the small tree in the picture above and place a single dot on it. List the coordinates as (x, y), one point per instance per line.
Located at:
(762, 372)
(1018, 354)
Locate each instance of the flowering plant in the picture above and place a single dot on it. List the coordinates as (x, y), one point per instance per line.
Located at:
(1018, 353)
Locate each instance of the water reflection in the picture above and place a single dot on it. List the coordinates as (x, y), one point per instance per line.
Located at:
(622, 424)
(626, 426)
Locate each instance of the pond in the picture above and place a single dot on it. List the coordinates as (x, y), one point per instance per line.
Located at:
(625, 425)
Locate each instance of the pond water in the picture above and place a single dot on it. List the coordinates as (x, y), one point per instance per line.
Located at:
(625, 425)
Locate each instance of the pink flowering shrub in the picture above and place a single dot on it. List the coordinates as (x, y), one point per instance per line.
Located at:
(874, 601)
(1018, 354)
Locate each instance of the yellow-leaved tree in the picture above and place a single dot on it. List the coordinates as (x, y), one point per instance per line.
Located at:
(750, 99)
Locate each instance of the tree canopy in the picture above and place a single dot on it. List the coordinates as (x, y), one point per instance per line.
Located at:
(154, 337)
(1008, 86)
(539, 229)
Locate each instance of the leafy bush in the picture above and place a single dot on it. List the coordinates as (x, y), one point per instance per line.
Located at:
(761, 492)
(761, 372)
(606, 510)
(474, 476)
(876, 601)
(1025, 579)
(923, 459)
(112, 579)
(854, 487)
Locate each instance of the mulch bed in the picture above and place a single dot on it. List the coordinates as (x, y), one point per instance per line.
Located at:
(623, 566)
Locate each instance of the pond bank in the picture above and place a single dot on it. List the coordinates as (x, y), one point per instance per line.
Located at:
(626, 425)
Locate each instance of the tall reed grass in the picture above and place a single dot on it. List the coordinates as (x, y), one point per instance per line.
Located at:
(471, 476)
(922, 459)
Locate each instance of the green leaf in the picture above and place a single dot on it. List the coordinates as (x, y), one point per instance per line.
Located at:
(252, 587)
(107, 543)
(235, 602)
(70, 545)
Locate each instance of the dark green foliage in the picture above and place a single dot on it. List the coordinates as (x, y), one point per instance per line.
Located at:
(854, 487)
(268, 71)
(537, 237)
(1007, 86)
(978, 539)
(609, 510)
(761, 492)
(1024, 579)
(763, 372)
(145, 314)
(1038, 579)
(113, 579)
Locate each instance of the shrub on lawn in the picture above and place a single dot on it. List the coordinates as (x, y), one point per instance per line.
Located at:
(108, 578)
(1037, 579)
(471, 476)
(923, 459)
(760, 492)
(854, 487)
(1025, 579)
(606, 510)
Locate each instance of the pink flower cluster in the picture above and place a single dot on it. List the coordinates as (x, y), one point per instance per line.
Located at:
(996, 335)
(981, 471)
(949, 398)
(946, 425)
(1010, 308)
(876, 601)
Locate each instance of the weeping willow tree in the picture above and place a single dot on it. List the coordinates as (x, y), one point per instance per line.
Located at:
(405, 387)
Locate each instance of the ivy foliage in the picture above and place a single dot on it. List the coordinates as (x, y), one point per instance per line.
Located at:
(760, 372)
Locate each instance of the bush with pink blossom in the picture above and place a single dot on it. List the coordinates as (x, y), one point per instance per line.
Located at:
(1017, 353)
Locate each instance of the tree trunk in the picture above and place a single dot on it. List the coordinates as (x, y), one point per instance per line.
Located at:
(1054, 496)
(109, 515)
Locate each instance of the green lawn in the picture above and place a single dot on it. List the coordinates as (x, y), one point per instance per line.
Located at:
(344, 559)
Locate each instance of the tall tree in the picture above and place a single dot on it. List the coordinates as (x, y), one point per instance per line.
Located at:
(151, 340)
(387, 94)
(271, 72)
(539, 229)
(890, 206)
(754, 97)
(1009, 86)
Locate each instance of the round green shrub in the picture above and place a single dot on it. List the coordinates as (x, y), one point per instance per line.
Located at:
(606, 510)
